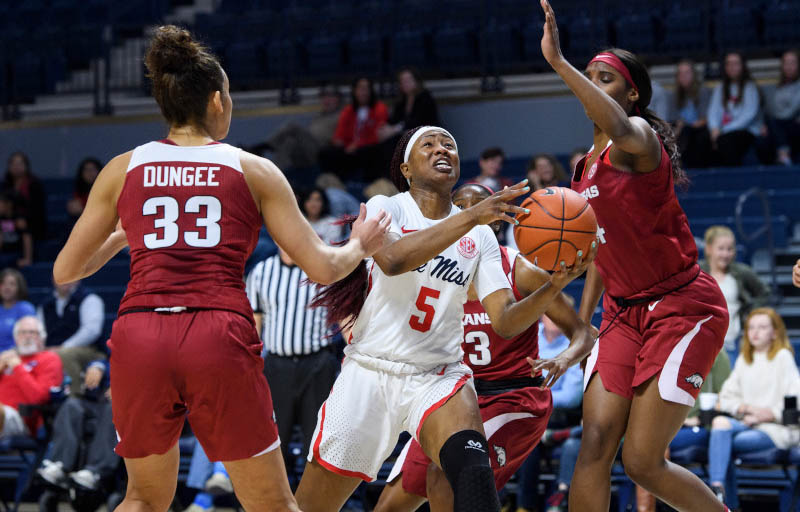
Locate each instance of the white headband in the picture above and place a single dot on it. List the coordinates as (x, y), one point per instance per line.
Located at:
(419, 133)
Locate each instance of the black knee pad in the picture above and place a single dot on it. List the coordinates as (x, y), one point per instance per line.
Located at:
(465, 461)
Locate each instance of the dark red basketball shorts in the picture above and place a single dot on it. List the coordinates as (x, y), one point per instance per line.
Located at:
(678, 336)
(204, 365)
(514, 423)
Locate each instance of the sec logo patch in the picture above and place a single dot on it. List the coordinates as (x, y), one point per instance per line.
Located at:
(592, 171)
(467, 247)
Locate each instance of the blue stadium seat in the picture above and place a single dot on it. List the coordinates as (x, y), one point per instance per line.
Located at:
(245, 63)
(780, 24)
(365, 49)
(685, 31)
(325, 57)
(503, 45)
(636, 32)
(408, 48)
(455, 47)
(737, 28)
(586, 35)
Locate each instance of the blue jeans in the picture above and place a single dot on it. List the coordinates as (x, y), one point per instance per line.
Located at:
(201, 469)
(689, 436)
(726, 443)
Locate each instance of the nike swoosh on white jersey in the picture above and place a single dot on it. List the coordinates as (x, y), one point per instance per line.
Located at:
(653, 305)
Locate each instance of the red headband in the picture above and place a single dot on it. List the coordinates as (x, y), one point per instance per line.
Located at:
(615, 62)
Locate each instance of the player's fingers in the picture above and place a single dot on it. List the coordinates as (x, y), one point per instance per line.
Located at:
(362, 212)
(505, 218)
(510, 208)
(386, 222)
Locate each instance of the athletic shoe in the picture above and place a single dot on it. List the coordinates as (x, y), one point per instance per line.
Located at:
(719, 492)
(194, 507)
(52, 473)
(219, 483)
(557, 502)
(85, 479)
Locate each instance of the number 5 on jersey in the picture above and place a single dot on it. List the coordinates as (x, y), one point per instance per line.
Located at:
(423, 324)
(170, 211)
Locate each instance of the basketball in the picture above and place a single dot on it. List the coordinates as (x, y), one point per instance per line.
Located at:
(560, 224)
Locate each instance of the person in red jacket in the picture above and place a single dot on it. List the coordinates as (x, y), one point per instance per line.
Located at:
(355, 150)
(27, 373)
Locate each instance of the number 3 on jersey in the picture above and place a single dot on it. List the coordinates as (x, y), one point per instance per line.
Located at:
(170, 211)
(423, 324)
(482, 355)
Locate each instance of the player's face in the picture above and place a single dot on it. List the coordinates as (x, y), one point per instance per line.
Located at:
(760, 332)
(434, 160)
(722, 251)
(612, 83)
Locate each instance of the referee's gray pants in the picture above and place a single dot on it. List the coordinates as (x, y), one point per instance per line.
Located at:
(299, 385)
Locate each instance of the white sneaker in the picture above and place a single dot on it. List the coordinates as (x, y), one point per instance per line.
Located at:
(52, 473)
(194, 507)
(219, 483)
(86, 479)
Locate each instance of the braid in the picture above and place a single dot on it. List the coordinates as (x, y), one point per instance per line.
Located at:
(664, 131)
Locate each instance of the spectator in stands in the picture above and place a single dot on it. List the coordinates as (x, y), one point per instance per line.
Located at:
(659, 102)
(734, 113)
(340, 200)
(87, 172)
(15, 305)
(544, 170)
(574, 157)
(295, 146)
(380, 187)
(74, 316)
(796, 274)
(567, 397)
(414, 107)
(210, 479)
(27, 372)
(784, 111)
(741, 286)
(491, 165)
(688, 116)
(83, 426)
(763, 375)
(355, 149)
(300, 363)
(317, 209)
(16, 241)
(28, 193)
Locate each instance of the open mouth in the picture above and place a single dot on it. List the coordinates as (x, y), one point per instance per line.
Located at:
(442, 165)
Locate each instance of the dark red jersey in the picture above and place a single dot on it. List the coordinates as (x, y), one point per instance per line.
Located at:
(191, 223)
(491, 356)
(646, 247)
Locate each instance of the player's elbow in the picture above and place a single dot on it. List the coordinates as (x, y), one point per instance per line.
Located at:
(391, 265)
(504, 330)
(62, 274)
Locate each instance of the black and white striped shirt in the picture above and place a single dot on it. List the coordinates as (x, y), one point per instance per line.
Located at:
(289, 327)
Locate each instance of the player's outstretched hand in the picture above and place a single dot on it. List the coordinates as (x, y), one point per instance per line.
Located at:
(555, 367)
(796, 274)
(564, 274)
(371, 233)
(551, 46)
(498, 206)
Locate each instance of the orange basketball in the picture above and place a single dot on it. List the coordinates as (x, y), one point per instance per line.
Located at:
(560, 224)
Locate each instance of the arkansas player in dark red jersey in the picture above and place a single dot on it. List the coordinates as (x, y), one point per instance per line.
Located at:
(664, 320)
(515, 406)
(185, 342)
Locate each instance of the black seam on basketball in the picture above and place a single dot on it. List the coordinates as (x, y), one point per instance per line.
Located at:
(579, 213)
(539, 247)
(557, 229)
(561, 236)
(543, 208)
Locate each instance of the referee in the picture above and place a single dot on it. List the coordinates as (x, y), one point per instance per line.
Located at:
(299, 362)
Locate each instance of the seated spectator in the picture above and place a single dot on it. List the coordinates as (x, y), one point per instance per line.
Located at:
(341, 201)
(315, 206)
(414, 107)
(210, 479)
(380, 187)
(16, 242)
(82, 454)
(574, 157)
(73, 316)
(355, 151)
(796, 274)
(85, 176)
(27, 373)
(296, 146)
(741, 286)
(544, 170)
(659, 101)
(752, 397)
(491, 166)
(734, 113)
(784, 110)
(14, 295)
(567, 397)
(28, 194)
(688, 116)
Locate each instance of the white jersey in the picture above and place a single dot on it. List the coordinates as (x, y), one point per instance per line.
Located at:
(413, 322)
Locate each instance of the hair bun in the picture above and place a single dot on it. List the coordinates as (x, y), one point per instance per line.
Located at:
(172, 50)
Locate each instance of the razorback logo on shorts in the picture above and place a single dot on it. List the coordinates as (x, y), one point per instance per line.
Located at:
(467, 247)
(695, 380)
(501, 455)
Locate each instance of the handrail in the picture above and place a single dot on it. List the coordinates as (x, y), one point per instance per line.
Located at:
(765, 228)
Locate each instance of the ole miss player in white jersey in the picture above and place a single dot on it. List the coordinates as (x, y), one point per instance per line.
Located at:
(185, 343)
(515, 407)
(403, 370)
(664, 320)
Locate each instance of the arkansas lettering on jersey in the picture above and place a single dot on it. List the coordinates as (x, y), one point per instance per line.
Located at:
(191, 223)
(414, 318)
(491, 356)
(646, 246)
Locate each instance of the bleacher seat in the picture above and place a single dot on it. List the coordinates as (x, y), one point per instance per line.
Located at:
(636, 32)
(365, 50)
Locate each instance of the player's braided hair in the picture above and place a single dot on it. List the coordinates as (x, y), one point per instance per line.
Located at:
(642, 80)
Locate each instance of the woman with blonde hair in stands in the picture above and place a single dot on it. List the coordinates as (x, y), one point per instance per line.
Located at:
(741, 286)
(752, 399)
